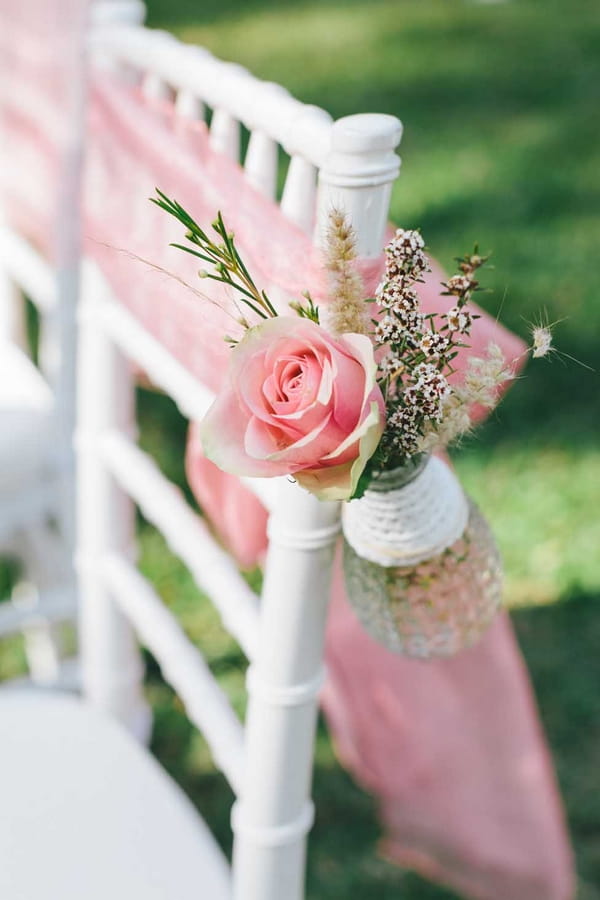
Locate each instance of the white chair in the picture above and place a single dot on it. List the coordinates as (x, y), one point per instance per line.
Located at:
(86, 812)
(37, 404)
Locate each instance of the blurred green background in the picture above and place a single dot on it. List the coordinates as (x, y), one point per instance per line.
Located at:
(501, 146)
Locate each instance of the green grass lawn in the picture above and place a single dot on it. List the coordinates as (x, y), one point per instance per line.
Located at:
(501, 146)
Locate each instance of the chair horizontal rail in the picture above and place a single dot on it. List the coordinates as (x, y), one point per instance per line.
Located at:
(27, 269)
(260, 105)
(68, 678)
(58, 605)
(164, 506)
(190, 395)
(181, 664)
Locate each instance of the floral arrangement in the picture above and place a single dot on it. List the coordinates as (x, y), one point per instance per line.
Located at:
(334, 396)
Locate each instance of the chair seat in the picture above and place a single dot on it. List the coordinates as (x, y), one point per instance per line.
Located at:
(88, 814)
(25, 416)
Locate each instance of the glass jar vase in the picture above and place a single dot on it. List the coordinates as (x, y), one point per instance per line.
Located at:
(422, 569)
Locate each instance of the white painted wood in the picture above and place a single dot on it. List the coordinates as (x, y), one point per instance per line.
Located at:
(225, 134)
(67, 680)
(358, 175)
(187, 535)
(27, 425)
(191, 396)
(110, 12)
(25, 507)
(225, 87)
(284, 640)
(260, 164)
(155, 88)
(43, 648)
(45, 559)
(182, 666)
(56, 605)
(273, 815)
(21, 264)
(274, 812)
(88, 814)
(189, 105)
(111, 666)
(298, 202)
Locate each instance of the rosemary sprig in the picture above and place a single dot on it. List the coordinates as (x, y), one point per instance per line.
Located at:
(226, 265)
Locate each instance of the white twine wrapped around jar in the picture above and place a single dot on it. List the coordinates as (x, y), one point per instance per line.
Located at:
(411, 522)
(422, 570)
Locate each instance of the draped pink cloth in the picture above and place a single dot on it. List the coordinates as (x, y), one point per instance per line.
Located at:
(453, 750)
(140, 144)
(41, 72)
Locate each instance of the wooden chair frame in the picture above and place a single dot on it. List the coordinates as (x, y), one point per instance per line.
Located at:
(269, 761)
(37, 517)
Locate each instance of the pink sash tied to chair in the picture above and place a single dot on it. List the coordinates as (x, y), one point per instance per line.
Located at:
(453, 750)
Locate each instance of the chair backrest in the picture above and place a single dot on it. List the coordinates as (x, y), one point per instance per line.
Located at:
(350, 164)
(42, 93)
(42, 128)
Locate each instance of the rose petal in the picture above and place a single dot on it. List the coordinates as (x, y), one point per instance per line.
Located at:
(222, 432)
(298, 400)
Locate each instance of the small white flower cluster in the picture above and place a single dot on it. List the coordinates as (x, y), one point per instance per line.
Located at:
(460, 285)
(389, 330)
(397, 296)
(405, 255)
(403, 324)
(391, 366)
(405, 431)
(459, 320)
(428, 392)
(433, 344)
(483, 378)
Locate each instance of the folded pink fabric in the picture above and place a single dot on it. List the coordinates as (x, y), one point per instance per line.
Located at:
(453, 750)
(135, 145)
(41, 73)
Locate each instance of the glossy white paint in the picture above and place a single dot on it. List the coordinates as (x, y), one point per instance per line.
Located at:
(270, 763)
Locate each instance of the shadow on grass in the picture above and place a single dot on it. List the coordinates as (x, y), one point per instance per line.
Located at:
(560, 644)
(169, 14)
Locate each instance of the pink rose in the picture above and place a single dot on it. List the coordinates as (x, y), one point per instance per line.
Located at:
(298, 401)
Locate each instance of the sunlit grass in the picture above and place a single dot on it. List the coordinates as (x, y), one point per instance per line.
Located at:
(543, 504)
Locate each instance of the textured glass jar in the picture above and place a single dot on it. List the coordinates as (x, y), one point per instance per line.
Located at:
(422, 569)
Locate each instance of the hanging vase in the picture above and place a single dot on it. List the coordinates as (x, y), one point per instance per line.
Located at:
(422, 569)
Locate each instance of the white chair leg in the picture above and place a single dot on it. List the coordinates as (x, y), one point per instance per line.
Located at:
(47, 567)
(112, 670)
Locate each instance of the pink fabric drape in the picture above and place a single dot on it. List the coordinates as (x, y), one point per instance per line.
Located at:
(41, 72)
(453, 749)
(467, 796)
(138, 145)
